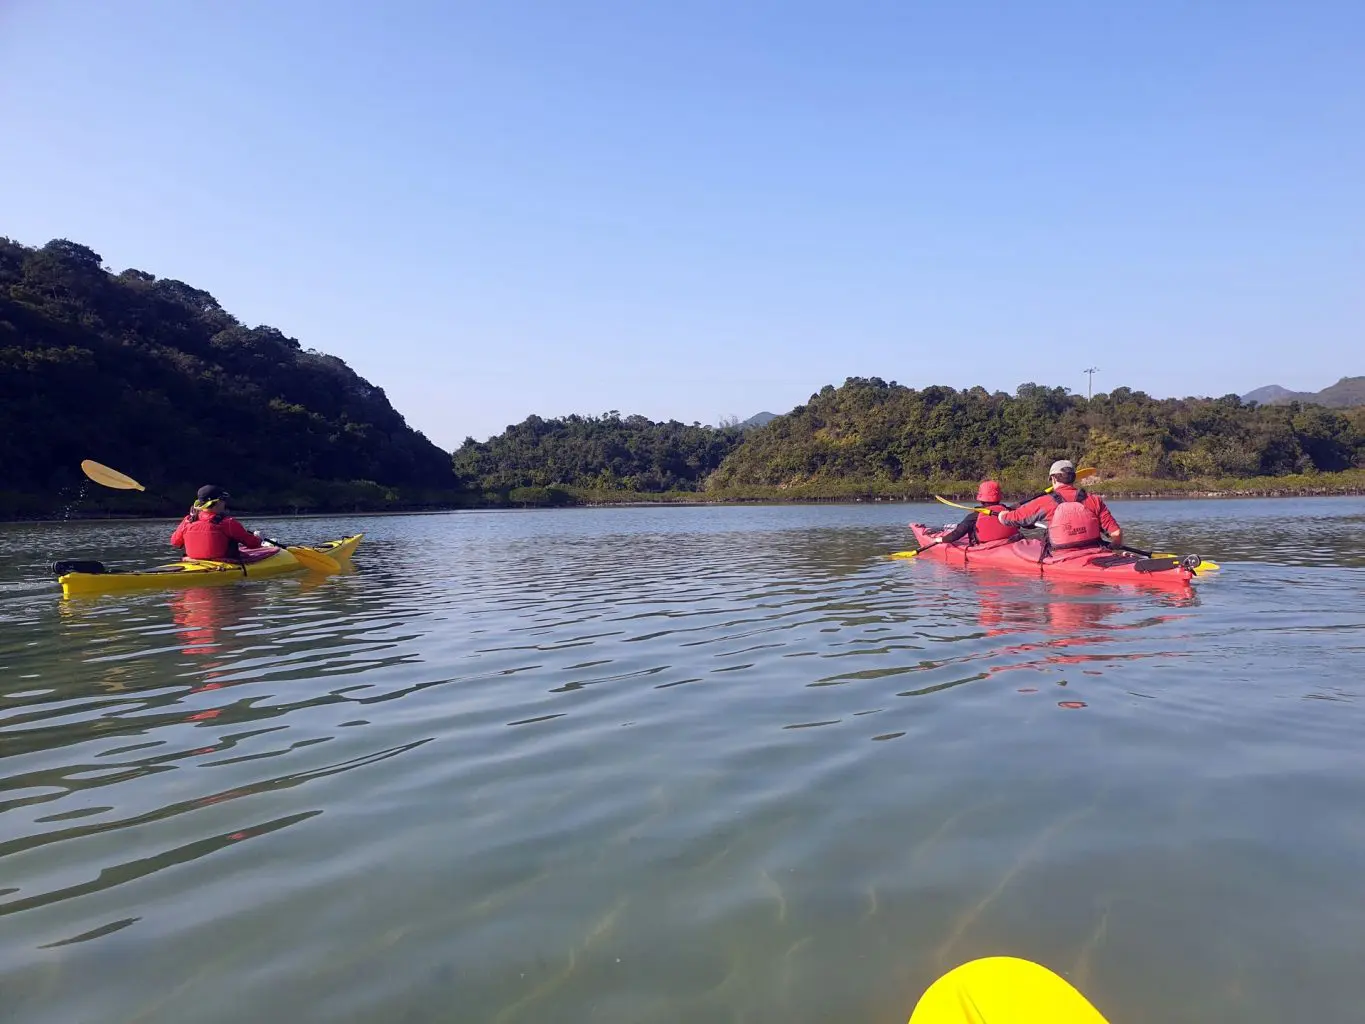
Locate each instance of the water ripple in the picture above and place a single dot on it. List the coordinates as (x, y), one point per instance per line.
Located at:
(648, 764)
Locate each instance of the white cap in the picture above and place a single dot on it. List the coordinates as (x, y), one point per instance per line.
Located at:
(1062, 466)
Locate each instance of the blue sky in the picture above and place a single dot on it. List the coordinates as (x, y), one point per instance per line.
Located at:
(695, 209)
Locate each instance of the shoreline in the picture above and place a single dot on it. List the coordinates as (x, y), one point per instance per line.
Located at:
(883, 499)
(635, 501)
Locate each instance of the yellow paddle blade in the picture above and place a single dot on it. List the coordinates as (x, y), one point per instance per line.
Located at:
(1084, 473)
(1003, 990)
(903, 554)
(318, 561)
(1081, 474)
(107, 477)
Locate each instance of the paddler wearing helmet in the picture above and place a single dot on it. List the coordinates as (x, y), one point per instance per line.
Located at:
(208, 532)
(982, 526)
(1074, 518)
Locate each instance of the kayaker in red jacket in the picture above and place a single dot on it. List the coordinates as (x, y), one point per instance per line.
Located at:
(208, 532)
(1074, 518)
(982, 527)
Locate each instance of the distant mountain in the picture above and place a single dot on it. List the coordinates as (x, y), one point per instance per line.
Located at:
(1272, 394)
(758, 419)
(1344, 394)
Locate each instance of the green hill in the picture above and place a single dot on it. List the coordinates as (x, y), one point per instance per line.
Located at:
(152, 376)
(868, 436)
(871, 431)
(607, 453)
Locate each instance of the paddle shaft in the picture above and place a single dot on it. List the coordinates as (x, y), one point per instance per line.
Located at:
(1081, 474)
(1132, 551)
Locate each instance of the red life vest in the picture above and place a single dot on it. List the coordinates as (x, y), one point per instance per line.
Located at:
(1073, 525)
(989, 528)
(207, 538)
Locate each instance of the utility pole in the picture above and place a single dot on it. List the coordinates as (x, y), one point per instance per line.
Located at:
(1090, 387)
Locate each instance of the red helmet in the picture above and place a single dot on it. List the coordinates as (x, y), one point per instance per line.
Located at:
(989, 491)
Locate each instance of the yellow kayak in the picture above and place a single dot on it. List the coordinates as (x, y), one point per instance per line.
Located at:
(1003, 990)
(84, 578)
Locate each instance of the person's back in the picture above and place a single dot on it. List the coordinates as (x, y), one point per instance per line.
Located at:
(987, 527)
(983, 525)
(1074, 518)
(208, 533)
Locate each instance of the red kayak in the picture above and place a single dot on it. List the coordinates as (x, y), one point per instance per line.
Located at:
(1025, 554)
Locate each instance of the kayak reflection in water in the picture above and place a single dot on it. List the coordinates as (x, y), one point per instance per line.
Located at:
(208, 532)
(1074, 518)
(1069, 614)
(199, 614)
(1079, 625)
(982, 527)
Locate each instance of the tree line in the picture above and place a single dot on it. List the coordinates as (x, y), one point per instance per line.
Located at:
(869, 430)
(154, 376)
(873, 438)
(596, 453)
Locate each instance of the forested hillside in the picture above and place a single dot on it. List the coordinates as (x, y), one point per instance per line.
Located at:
(153, 377)
(605, 453)
(871, 437)
(868, 430)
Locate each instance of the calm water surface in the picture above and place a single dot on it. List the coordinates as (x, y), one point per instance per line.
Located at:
(648, 765)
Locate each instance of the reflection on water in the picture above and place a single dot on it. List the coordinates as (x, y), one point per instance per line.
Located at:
(667, 764)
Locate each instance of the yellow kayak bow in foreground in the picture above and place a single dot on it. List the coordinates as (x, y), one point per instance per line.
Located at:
(1003, 990)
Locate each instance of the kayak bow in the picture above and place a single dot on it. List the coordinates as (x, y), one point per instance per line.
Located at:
(1003, 990)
